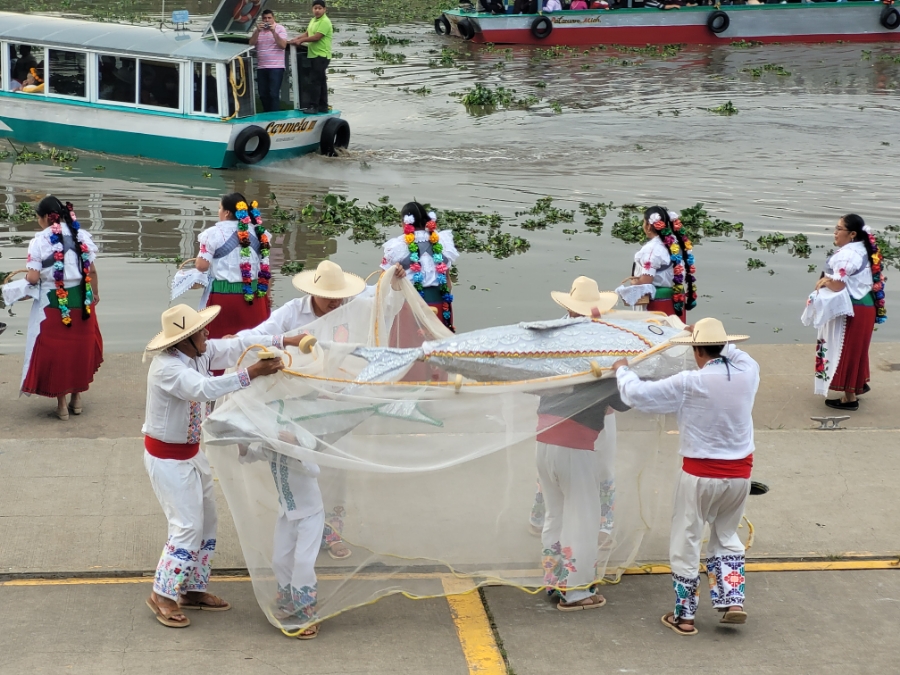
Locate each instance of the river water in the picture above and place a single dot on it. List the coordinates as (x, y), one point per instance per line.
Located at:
(803, 149)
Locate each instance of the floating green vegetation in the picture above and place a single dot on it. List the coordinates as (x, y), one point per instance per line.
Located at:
(745, 44)
(724, 109)
(555, 52)
(24, 213)
(349, 43)
(798, 244)
(556, 107)
(889, 246)
(653, 51)
(481, 98)
(379, 71)
(893, 58)
(699, 224)
(446, 60)
(292, 267)
(758, 71)
(629, 224)
(866, 55)
(421, 91)
(64, 158)
(594, 215)
(545, 214)
(392, 58)
(377, 39)
(755, 264)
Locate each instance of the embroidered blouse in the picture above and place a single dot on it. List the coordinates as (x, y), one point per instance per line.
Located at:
(850, 264)
(713, 405)
(41, 249)
(654, 259)
(178, 384)
(228, 267)
(396, 250)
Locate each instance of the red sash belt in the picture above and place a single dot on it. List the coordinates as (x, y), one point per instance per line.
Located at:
(163, 450)
(718, 468)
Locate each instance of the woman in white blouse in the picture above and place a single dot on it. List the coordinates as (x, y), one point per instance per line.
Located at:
(855, 266)
(235, 252)
(427, 255)
(666, 262)
(64, 347)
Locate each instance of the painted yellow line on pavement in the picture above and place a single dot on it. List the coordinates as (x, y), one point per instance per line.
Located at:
(654, 568)
(473, 628)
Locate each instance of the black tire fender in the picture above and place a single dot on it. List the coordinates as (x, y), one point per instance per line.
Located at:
(442, 25)
(335, 136)
(466, 29)
(243, 140)
(890, 18)
(541, 27)
(718, 22)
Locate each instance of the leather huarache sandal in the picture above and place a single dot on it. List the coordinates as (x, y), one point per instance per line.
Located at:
(206, 602)
(309, 634)
(596, 601)
(734, 616)
(167, 616)
(670, 621)
(341, 554)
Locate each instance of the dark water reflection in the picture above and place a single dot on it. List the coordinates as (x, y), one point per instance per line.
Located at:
(803, 149)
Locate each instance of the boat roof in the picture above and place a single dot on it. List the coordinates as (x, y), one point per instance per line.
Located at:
(115, 38)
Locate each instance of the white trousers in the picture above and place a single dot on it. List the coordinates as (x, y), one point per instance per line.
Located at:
(297, 543)
(184, 489)
(719, 502)
(572, 520)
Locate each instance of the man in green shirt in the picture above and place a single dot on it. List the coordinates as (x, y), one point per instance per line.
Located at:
(318, 41)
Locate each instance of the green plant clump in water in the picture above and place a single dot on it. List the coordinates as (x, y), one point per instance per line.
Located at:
(629, 224)
(594, 215)
(698, 223)
(484, 99)
(889, 249)
(724, 109)
(745, 44)
(24, 213)
(377, 39)
(658, 51)
(798, 245)
(391, 58)
(755, 264)
(292, 267)
(545, 214)
(767, 68)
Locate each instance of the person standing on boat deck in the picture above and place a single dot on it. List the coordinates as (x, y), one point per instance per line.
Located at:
(575, 454)
(318, 40)
(64, 347)
(428, 255)
(180, 390)
(714, 409)
(23, 65)
(666, 262)
(235, 252)
(270, 40)
(855, 266)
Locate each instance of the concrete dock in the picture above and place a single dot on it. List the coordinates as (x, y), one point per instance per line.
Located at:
(80, 529)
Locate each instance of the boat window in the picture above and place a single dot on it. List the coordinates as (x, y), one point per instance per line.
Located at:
(206, 93)
(118, 79)
(241, 93)
(24, 59)
(66, 73)
(159, 84)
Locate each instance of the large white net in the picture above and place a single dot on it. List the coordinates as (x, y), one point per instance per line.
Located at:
(420, 448)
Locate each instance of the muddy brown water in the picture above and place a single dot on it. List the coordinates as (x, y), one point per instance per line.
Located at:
(802, 150)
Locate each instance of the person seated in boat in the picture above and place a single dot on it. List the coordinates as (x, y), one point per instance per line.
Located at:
(525, 7)
(600, 4)
(662, 4)
(552, 6)
(22, 67)
(33, 84)
(577, 5)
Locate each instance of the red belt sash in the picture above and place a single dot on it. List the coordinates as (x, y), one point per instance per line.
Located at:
(163, 450)
(718, 468)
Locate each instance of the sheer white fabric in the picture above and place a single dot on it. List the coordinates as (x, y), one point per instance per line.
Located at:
(426, 445)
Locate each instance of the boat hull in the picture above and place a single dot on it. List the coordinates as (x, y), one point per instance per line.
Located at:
(803, 23)
(163, 136)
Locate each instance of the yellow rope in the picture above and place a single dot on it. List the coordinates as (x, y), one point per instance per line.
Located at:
(234, 87)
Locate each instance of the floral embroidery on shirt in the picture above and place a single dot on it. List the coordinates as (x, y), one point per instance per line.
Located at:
(244, 378)
(821, 361)
(195, 419)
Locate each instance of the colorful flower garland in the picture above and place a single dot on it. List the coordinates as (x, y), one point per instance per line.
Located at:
(59, 267)
(440, 267)
(877, 279)
(262, 281)
(84, 255)
(684, 268)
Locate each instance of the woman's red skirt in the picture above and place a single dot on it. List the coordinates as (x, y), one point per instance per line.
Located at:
(64, 358)
(853, 369)
(236, 314)
(667, 307)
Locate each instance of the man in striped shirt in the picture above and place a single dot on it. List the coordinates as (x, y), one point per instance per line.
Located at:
(270, 40)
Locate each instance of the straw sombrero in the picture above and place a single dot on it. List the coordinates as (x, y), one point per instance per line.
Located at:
(179, 323)
(585, 298)
(328, 280)
(708, 332)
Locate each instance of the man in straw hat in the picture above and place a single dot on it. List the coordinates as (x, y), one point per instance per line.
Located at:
(575, 455)
(714, 406)
(178, 384)
(328, 288)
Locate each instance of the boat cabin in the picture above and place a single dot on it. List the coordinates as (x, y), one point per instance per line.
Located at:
(159, 70)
